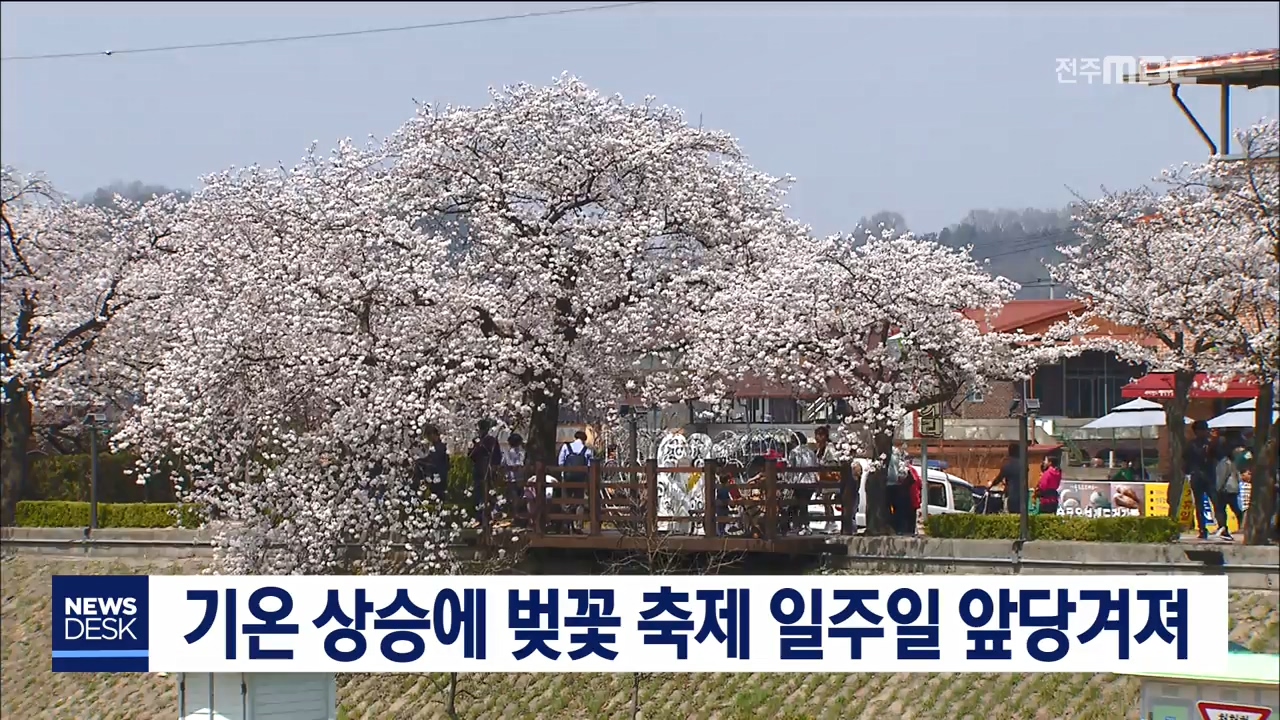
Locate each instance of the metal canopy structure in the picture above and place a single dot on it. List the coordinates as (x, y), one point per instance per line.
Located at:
(1253, 69)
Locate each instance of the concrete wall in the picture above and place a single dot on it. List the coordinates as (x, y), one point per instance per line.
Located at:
(1247, 568)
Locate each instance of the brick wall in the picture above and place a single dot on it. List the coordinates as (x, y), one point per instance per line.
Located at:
(994, 406)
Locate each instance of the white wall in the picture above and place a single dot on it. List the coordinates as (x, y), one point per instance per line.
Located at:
(266, 696)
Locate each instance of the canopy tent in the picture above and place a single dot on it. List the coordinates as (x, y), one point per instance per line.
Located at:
(1159, 386)
(1240, 416)
(1133, 414)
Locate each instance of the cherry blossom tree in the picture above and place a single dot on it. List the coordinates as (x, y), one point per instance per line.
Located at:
(301, 358)
(1241, 201)
(1190, 266)
(69, 272)
(597, 232)
(507, 260)
(890, 323)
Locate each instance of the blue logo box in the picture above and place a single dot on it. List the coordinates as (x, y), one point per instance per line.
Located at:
(100, 623)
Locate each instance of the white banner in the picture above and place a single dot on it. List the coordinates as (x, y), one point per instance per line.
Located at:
(299, 624)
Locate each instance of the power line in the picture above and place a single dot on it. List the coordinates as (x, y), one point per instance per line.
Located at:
(325, 36)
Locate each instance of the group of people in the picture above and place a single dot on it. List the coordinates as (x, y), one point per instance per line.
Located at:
(1005, 493)
(1215, 466)
(493, 468)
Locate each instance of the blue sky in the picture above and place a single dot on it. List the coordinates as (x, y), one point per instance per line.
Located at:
(924, 108)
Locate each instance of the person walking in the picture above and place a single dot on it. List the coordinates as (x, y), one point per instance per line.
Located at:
(1227, 492)
(1201, 469)
(1048, 487)
(898, 494)
(1010, 479)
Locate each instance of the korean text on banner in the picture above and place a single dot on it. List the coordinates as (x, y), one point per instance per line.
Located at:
(640, 624)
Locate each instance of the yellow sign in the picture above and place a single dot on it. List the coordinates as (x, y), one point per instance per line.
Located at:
(1157, 502)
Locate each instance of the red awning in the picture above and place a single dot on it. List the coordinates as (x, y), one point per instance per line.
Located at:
(1159, 386)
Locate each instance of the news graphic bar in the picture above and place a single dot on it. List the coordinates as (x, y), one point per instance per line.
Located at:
(306, 624)
(100, 623)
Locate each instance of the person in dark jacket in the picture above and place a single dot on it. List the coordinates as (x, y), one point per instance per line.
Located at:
(433, 469)
(1200, 465)
(486, 464)
(1010, 479)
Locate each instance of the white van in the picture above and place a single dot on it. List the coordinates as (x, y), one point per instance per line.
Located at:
(948, 494)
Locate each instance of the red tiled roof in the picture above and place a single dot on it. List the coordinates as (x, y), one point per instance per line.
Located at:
(1159, 386)
(1023, 313)
(1252, 68)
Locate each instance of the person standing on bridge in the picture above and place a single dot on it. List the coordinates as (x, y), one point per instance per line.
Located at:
(486, 455)
(432, 470)
(575, 454)
(513, 461)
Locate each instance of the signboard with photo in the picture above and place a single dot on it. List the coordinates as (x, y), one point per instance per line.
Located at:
(1100, 499)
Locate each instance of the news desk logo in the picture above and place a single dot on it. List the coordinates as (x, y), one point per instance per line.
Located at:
(100, 623)
(1119, 69)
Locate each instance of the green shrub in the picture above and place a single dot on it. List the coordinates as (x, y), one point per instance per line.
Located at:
(63, 481)
(1055, 527)
(67, 477)
(66, 514)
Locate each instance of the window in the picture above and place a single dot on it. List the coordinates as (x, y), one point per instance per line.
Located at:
(937, 494)
(1087, 386)
(974, 396)
(822, 412)
(963, 496)
(764, 411)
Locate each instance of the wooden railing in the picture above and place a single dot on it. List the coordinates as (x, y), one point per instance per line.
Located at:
(612, 499)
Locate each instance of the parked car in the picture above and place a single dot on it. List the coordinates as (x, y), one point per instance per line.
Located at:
(948, 494)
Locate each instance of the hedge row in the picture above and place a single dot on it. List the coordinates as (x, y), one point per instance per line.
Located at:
(955, 526)
(67, 478)
(1056, 527)
(64, 514)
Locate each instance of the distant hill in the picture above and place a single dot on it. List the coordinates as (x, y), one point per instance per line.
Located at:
(1016, 243)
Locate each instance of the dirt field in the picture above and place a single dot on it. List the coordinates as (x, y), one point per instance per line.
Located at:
(31, 691)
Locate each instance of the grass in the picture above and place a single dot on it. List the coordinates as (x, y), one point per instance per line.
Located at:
(31, 691)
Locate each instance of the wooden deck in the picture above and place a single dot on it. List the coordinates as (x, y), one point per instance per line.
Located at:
(609, 507)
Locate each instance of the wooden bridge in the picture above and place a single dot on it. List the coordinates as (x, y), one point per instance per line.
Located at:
(610, 507)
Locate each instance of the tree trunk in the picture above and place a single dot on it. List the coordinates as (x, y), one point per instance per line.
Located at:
(451, 707)
(15, 468)
(1262, 495)
(877, 509)
(1174, 413)
(635, 696)
(542, 427)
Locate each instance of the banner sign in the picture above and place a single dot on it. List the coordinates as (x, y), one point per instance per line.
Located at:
(306, 624)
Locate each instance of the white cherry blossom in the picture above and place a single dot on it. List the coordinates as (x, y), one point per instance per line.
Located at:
(71, 276)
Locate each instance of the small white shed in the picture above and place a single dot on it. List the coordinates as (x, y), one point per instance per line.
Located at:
(257, 696)
(1249, 690)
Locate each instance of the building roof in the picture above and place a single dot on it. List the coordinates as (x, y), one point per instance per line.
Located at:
(1159, 386)
(1252, 68)
(1020, 314)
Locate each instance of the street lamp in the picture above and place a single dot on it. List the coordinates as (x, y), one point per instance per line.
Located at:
(1027, 408)
(95, 422)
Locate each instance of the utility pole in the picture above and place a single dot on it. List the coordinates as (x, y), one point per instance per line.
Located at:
(1022, 496)
(93, 421)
